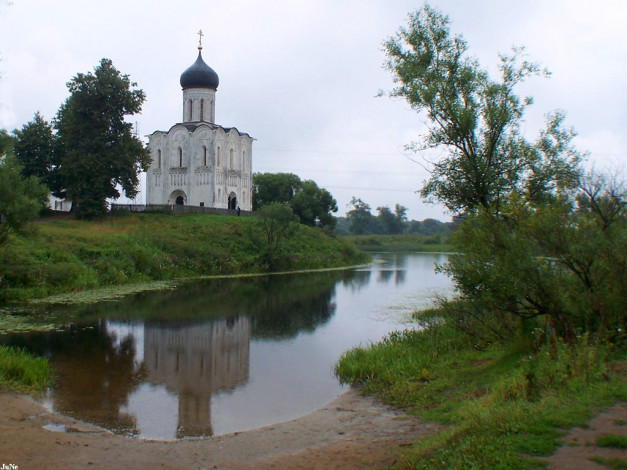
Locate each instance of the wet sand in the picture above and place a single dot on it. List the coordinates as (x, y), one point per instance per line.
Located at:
(351, 432)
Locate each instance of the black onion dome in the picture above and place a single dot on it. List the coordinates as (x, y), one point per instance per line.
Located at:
(199, 75)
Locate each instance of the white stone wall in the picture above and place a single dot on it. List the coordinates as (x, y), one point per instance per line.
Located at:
(205, 166)
(57, 204)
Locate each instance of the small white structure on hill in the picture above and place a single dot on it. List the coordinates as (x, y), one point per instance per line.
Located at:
(198, 162)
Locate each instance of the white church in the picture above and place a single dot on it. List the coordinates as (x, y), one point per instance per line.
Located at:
(198, 162)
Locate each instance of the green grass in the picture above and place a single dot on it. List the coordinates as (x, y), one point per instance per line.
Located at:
(401, 243)
(613, 463)
(612, 440)
(20, 370)
(69, 255)
(503, 405)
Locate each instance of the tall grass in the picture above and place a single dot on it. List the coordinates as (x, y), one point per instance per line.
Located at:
(502, 404)
(20, 370)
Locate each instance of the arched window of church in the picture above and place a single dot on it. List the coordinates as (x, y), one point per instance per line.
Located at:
(191, 107)
(219, 152)
(159, 158)
(244, 166)
(204, 155)
(180, 157)
(219, 195)
(231, 159)
(202, 110)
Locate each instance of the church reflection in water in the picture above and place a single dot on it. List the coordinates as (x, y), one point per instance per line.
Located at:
(194, 361)
(220, 355)
(150, 365)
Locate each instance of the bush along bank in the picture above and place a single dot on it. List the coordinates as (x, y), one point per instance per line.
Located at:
(70, 255)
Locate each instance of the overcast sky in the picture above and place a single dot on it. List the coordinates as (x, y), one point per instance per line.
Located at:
(301, 76)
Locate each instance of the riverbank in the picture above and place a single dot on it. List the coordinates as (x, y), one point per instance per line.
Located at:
(351, 432)
(505, 405)
(68, 255)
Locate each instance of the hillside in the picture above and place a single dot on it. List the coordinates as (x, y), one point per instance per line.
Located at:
(69, 255)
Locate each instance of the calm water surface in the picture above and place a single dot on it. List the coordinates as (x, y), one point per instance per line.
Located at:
(226, 355)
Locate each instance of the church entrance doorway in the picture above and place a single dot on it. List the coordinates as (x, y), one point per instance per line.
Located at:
(178, 197)
(232, 201)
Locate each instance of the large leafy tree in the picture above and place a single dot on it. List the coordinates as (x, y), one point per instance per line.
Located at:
(475, 119)
(274, 187)
(539, 239)
(97, 149)
(311, 204)
(361, 219)
(393, 223)
(314, 205)
(34, 149)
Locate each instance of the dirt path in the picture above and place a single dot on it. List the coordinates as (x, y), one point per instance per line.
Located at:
(351, 432)
(580, 443)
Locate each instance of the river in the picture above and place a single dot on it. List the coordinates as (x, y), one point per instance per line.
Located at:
(223, 355)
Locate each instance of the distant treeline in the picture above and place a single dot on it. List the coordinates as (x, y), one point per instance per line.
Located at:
(360, 221)
(417, 227)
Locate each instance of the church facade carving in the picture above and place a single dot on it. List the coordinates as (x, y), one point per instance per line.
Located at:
(198, 162)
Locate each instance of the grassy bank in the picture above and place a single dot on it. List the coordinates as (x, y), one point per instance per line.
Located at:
(69, 255)
(20, 370)
(401, 243)
(505, 406)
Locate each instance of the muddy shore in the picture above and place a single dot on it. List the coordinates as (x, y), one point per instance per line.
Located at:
(350, 432)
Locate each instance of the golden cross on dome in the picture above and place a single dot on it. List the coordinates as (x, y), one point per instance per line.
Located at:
(200, 35)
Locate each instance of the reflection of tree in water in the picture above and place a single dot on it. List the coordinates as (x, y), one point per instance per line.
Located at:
(400, 261)
(293, 304)
(385, 275)
(279, 305)
(357, 280)
(400, 276)
(94, 373)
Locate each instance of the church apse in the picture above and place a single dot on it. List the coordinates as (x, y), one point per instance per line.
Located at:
(195, 361)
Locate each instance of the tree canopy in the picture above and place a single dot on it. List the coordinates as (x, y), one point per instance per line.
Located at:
(97, 150)
(539, 239)
(361, 219)
(274, 187)
(311, 204)
(475, 119)
(34, 149)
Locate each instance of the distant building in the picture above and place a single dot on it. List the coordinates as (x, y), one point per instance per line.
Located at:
(198, 162)
(59, 205)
